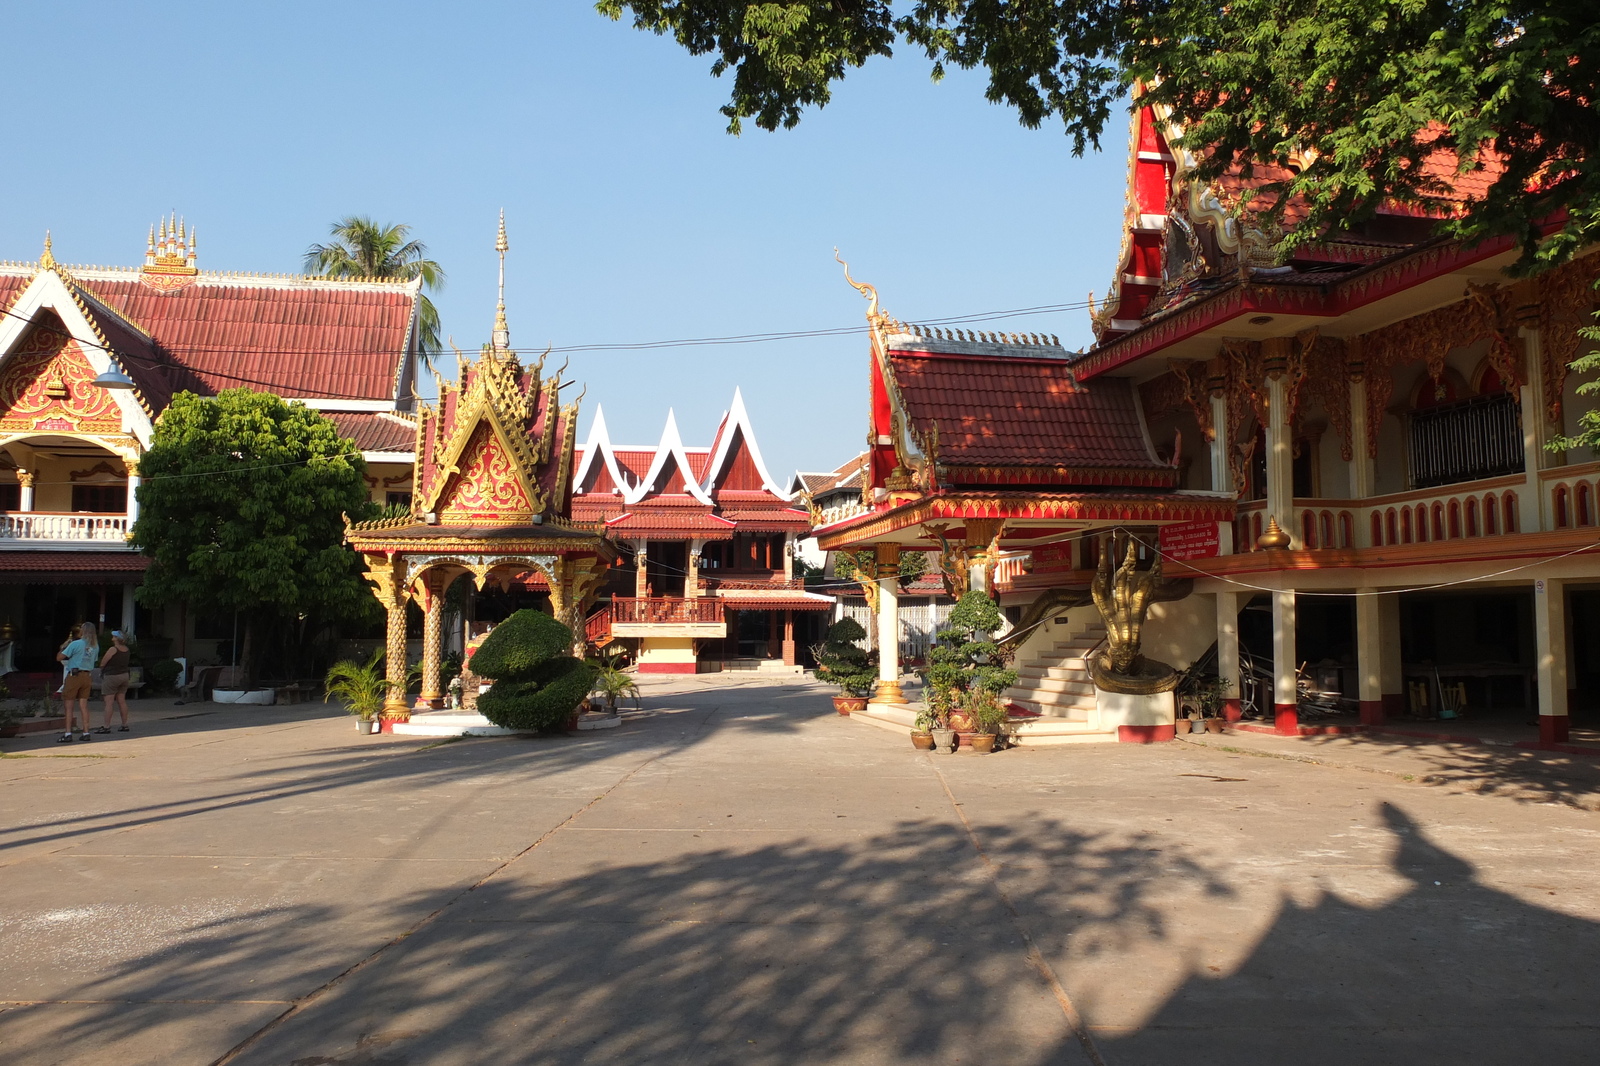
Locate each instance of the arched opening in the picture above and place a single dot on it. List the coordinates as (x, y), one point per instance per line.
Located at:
(1455, 519)
(1508, 509)
(1472, 517)
(1405, 525)
(1325, 529)
(1389, 522)
(1377, 530)
(1562, 518)
(1584, 505)
(1438, 521)
(1308, 529)
(1491, 517)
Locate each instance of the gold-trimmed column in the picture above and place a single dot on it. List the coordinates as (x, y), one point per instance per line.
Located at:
(431, 698)
(387, 572)
(886, 558)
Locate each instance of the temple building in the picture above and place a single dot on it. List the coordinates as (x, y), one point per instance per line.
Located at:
(492, 508)
(706, 580)
(70, 450)
(1344, 451)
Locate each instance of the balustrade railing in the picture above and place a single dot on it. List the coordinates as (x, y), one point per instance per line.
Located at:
(1475, 509)
(665, 610)
(45, 525)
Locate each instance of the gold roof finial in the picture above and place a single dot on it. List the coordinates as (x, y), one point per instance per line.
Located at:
(502, 332)
(862, 287)
(48, 259)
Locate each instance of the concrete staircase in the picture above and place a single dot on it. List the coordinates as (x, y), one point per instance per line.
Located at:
(1055, 682)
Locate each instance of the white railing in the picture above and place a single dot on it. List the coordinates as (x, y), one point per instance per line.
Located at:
(106, 529)
(1484, 508)
(1572, 495)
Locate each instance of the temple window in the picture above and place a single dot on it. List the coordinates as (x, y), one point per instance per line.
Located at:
(100, 499)
(1465, 440)
(397, 499)
(10, 496)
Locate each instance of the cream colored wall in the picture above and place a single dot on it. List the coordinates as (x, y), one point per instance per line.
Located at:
(52, 487)
(1180, 631)
(377, 472)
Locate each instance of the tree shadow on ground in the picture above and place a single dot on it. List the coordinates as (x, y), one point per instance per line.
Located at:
(1522, 774)
(1449, 970)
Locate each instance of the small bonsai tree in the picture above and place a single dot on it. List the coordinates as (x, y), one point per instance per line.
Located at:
(965, 671)
(537, 681)
(845, 663)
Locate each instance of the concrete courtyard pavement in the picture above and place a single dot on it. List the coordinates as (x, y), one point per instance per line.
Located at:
(739, 875)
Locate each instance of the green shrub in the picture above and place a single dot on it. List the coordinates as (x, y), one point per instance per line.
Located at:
(842, 662)
(537, 681)
(517, 646)
(162, 674)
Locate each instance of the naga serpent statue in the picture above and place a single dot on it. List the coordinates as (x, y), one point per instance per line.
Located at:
(1123, 597)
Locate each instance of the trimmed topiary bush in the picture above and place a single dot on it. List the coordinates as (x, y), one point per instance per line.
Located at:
(537, 681)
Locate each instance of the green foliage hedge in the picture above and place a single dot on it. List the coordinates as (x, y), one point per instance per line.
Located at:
(537, 681)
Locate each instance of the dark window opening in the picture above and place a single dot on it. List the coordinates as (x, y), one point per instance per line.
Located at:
(101, 499)
(1467, 440)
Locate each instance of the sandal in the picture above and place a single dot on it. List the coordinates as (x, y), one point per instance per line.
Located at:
(103, 729)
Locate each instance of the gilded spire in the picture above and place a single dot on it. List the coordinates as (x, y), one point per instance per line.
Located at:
(48, 259)
(502, 332)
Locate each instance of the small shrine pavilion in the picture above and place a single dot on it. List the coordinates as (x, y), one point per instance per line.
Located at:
(493, 488)
(709, 538)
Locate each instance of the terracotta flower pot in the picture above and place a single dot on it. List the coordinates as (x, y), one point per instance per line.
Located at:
(922, 741)
(846, 704)
(982, 743)
(1180, 726)
(1215, 725)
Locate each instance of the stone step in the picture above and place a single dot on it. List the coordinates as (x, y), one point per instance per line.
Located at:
(1049, 730)
(450, 724)
(1077, 686)
(1068, 704)
(1064, 672)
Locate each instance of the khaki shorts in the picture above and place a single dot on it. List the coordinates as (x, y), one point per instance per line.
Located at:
(77, 686)
(114, 684)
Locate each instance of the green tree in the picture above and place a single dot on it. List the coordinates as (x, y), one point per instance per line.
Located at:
(1588, 435)
(363, 249)
(1350, 96)
(241, 511)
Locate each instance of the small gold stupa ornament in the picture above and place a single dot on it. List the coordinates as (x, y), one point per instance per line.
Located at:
(1274, 536)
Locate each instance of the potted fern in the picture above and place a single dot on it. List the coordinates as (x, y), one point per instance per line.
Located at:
(845, 663)
(360, 687)
(612, 683)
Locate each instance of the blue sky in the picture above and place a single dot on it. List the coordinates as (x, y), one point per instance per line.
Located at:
(632, 215)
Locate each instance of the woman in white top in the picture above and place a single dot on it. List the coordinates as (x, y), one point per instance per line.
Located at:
(79, 659)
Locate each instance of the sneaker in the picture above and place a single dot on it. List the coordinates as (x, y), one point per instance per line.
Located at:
(84, 736)
(64, 738)
(122, 729)
(103, 729)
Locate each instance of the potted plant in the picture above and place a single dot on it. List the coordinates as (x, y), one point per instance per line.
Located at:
(966, 672)
(612, 683)
(1207, 693)
(922, 731)
(988, 716)
(843, 662)
(360, 687)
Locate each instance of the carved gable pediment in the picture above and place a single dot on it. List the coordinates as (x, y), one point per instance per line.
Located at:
(47, 383)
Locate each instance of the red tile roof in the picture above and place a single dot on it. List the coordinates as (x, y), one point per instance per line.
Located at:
(1001, 411)
(303, 338)
(376, 431)
(69, 567)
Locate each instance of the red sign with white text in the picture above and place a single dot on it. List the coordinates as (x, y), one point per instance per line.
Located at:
(1182, 541)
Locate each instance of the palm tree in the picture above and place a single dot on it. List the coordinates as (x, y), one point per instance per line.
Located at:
(363, 249)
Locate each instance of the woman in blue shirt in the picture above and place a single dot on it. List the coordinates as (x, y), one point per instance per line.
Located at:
(79, 658)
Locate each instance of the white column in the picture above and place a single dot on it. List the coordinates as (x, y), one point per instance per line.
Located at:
(1286, 716)
(1530, 504)
(641, 578)
(1228, 650)
(788, 556)
(1370, 652)
(888, 575)
(25, 478)
(1221, 475)
(1550, 642)
(1280, 458)
(1363, 476)
(133, 494)
(127, 609)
